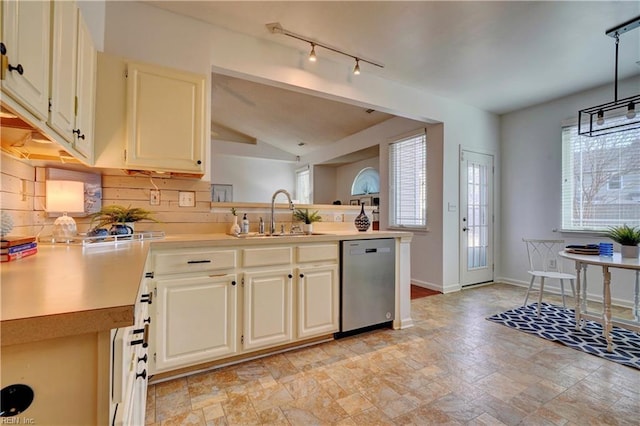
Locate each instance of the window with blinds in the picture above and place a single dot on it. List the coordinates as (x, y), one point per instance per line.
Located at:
(303, 186)
(408, 182)
(600, 180)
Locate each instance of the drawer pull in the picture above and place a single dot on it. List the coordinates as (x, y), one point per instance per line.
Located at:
(190, 262)
(147, 321)
(143, 374)
(147, 298)
(144, 358)
(145, 337)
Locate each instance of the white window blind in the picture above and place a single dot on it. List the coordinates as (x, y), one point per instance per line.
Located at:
(600, 180)
(303, 186)
(408, 182)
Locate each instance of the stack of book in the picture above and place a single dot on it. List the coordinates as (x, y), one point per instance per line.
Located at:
(17, 247)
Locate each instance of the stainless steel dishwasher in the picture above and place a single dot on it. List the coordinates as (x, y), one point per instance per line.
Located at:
(367, 284)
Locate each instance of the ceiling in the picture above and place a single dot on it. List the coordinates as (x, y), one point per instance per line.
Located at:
(497, 56)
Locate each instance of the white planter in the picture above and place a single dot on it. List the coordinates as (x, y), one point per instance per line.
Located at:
(632, 252)
(307, 228)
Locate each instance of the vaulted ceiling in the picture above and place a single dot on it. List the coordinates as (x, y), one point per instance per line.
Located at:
(499, 56)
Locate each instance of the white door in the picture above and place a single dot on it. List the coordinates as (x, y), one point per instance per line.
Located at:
(318, 301)
(476, 218)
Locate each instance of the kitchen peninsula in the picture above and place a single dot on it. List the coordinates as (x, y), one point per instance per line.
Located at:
(59, 310)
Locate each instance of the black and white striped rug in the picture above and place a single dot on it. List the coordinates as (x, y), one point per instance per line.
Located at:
(558, 324)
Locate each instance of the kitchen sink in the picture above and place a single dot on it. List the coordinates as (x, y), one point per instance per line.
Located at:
(257, 235)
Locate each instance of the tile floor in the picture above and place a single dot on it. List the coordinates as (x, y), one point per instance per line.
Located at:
(453, 367)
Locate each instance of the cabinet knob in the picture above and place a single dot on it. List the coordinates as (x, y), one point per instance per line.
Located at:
(233, 283)
(143, 374)
(290, 276)
(77, 132)
(3, 49)
(147, 321)
(147, 298)
(198, 162)
(144, 358)
(301, 275)
(18, 68)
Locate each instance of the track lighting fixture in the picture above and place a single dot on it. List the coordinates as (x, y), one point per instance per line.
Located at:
(312, 54)
(616, 116)
(276, 28)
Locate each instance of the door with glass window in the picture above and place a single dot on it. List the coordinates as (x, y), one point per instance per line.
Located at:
(476, 218)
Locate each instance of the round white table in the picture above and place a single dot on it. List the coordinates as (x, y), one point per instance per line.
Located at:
(606, 262)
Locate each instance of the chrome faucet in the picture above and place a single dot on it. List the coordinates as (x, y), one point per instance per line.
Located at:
(272, 227)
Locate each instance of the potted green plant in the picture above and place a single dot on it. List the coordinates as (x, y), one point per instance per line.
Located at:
(307, 218)
(120, 218)
(628, 237)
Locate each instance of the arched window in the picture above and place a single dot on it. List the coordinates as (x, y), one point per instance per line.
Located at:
(367, 181)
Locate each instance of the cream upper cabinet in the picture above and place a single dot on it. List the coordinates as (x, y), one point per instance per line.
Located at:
(73, 79)
(64, 70)
(83, 134)
(165, 119)
(25, 58)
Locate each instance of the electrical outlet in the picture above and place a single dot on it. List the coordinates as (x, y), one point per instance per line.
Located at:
(154, 197)
(552, 264)
(338, 217)
(186, 199)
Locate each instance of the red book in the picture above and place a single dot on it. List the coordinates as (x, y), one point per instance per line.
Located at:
(18, 255)
(10, 241)
(15, 249)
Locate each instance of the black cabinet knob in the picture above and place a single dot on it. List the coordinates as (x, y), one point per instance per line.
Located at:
(3, 49)
(199, 162)
(290, 276)
(18, 68)
(301, 275)
(144, 358)
(143, 374)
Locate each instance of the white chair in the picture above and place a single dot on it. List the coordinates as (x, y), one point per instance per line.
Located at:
(544, 262)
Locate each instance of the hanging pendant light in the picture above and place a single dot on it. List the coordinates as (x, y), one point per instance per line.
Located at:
(356, 69)
(619, 115)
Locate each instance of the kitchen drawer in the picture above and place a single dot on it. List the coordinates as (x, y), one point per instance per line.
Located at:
(317, 252)
(267, 256)
(196, 260)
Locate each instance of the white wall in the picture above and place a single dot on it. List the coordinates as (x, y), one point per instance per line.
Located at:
(531, 147)
(148, 34)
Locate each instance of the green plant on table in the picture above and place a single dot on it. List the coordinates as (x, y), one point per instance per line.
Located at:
(119, 214)
(306, 217)
(624, 235)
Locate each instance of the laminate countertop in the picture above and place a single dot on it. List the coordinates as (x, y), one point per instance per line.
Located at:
(69, 289)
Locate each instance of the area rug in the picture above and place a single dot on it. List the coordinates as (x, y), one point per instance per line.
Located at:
(558, 324)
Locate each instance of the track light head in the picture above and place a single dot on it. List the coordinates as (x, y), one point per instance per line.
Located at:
(356, 69)
(631, 110)
(312, 54)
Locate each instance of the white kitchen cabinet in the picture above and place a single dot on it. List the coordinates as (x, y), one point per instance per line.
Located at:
(26, 29)
(73, 79)
(165, 119)
(318, 300)
(267, 308)
(195, 320)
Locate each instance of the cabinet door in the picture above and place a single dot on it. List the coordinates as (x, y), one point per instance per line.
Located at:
(267, 308)
(165, 119)
(318, 300)
(194, 320)
(85, 93)
(63, 70)
(25, 34)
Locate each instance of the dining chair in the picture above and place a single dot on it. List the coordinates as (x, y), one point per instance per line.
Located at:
(545, 262)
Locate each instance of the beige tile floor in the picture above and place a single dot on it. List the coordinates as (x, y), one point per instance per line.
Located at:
(453, 367)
